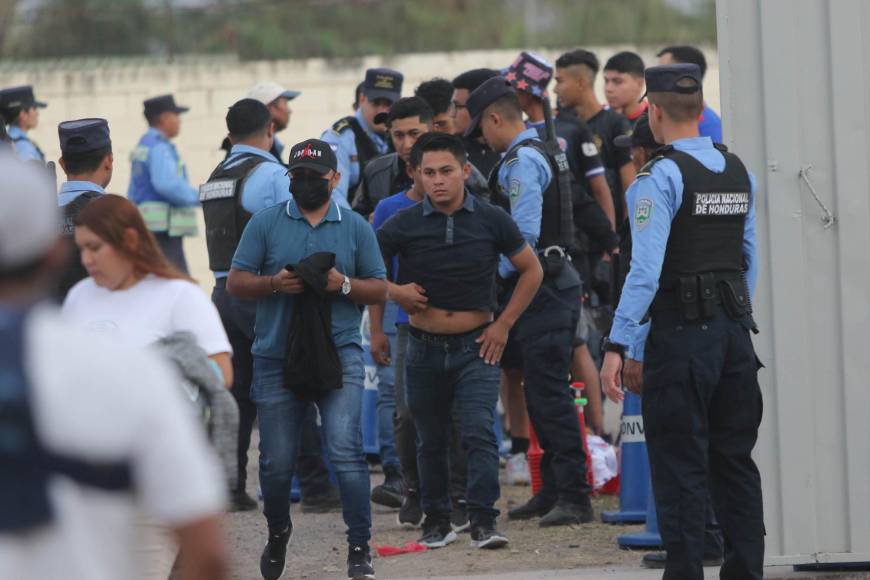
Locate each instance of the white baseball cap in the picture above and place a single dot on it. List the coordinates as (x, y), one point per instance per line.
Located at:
(267, 91)
(29, 215)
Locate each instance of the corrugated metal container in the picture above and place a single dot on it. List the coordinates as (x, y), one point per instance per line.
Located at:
(795, 82)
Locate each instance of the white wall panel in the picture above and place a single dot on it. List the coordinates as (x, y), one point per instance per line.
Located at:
(795, 91)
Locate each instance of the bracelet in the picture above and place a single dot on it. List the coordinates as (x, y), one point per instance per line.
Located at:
(272, 286)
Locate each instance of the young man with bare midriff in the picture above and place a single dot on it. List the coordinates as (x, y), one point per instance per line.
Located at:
(448, 247)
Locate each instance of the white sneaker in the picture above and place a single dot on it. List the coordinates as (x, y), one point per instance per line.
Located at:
(518, 470)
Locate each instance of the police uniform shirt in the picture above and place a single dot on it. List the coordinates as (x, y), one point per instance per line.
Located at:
(524, 181)
(107, 402)
(653, 201)
(25, 149)
(344, 145)
(168, 173)
(69, 190)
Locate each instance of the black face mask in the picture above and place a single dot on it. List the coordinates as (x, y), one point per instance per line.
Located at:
(310, 193)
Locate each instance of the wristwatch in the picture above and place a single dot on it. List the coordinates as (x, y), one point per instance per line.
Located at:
(608, 346)
(345, 286)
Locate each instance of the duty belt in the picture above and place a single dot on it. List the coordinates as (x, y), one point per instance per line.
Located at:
(695, 296)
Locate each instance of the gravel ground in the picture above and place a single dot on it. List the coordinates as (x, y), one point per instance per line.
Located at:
(318, 549)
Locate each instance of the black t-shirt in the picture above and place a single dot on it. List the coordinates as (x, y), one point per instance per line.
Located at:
(453, 257)
(606, 125)
(579, 146)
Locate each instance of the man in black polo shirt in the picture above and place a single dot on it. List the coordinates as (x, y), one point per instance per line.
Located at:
(449, 246)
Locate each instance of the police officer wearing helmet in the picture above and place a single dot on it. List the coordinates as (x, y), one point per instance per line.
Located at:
(20, 111)
(692, 271)
(359, 138)
(533, 184)
(86, 158)
(158, 180)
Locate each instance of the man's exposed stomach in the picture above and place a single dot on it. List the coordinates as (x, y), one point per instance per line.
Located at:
(439, 321)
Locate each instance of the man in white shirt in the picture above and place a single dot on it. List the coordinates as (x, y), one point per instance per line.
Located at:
(95, 436)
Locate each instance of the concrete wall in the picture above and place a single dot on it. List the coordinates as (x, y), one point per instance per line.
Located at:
(115, 89)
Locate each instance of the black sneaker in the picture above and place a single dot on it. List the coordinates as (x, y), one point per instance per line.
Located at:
(437, 532)
(411, 513)
(486, 537)
(392, 491)
(459, 516)
(240, 501)
(328, 501)
(566, 514)
(359, 563)
(274, 554)
(534, 508)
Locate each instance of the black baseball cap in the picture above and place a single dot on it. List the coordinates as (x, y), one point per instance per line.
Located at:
(162, 104)
(246, 116)
(641, 136)
(313, 154)
(83, 135)
(482, 97)
(18, 98)
(665, 78)
(383, 83)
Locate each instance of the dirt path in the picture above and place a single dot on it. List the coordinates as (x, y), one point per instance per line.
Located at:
(318, 548)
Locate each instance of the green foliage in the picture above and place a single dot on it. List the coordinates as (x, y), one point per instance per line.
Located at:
(269, 29)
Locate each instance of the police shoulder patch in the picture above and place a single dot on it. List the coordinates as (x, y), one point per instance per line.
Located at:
(341, 125)
(643, 213)
(515, 188)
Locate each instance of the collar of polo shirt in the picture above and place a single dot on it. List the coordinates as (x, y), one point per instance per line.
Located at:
(467, 203)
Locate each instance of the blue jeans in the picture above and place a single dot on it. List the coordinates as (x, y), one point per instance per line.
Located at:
(387, 392)
(281, 415)
(447, 378)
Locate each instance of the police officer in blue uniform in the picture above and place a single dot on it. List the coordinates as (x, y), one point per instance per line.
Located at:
(251, 178)
(20, 111)
(158, 180)
(358, 139)
(693, 268)
(86, 158)
(534, 186)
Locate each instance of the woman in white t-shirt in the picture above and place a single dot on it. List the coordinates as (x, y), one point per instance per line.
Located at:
(132, 293)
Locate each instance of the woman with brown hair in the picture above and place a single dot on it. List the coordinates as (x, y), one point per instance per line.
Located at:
(132, 294)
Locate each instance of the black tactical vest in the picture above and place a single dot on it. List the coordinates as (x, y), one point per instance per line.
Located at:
(707, 232)
(365, 148)
(74, 271)
(556, 218)
(225, 218)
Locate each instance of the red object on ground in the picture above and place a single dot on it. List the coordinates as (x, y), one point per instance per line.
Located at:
(611, 487)
(409, 548)
(535, 452)
(534, 455)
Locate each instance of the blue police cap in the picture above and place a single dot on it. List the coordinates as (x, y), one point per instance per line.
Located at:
(83, 135)
(666, 79)
(483, 96)
(17, 98)
(383, 83)
(162, 104)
